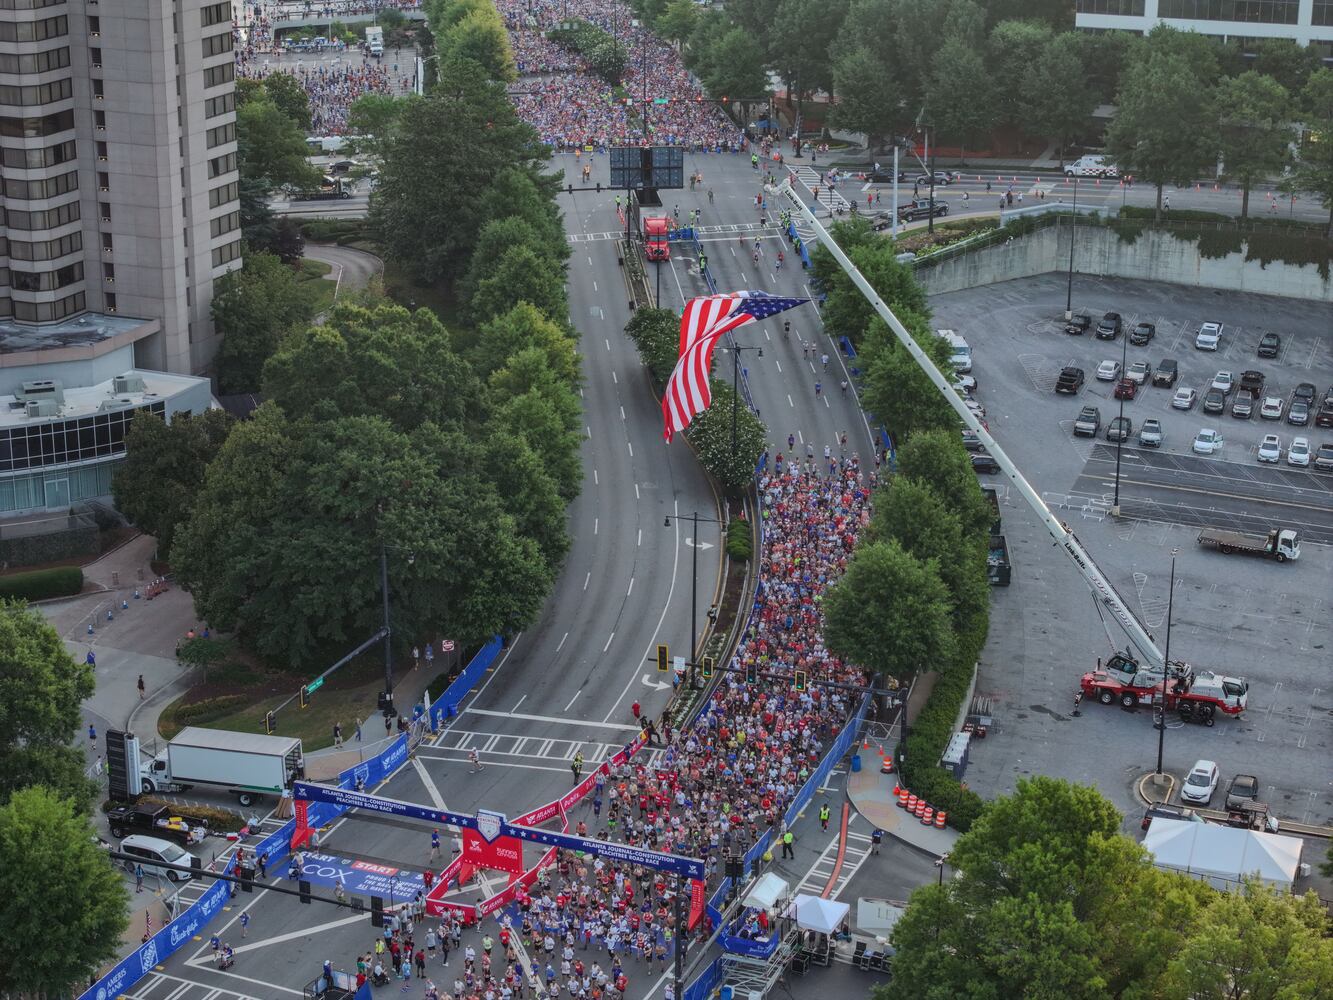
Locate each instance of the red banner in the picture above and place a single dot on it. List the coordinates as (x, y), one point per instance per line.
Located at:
(696, 903)
(503, 854)
(301, 833)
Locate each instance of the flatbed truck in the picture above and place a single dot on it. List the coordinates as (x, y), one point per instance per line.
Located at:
(1280, 543)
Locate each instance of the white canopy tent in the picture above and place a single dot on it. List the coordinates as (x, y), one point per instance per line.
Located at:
(766, 892)
(1224, 856)
(816, 914)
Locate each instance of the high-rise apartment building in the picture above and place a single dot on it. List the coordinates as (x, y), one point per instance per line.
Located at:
(118, 160)
(1247, 22)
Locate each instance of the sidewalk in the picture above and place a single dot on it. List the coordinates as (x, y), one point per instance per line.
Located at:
(872, 795)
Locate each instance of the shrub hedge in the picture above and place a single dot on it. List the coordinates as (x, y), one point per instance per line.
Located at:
(740, 539)
(209, 709)
(41, 584)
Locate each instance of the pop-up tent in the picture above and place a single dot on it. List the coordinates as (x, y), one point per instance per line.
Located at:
(822, 915)
(766, 892)
(1224, 856)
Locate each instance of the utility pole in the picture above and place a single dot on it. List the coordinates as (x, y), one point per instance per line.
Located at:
(1073, 229)
(1166, 655)
(388, 636)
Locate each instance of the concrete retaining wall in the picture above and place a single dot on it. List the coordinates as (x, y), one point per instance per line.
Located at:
(1154, 256)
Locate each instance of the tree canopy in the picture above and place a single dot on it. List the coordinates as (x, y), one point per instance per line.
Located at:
(270, 146)
(253, 308)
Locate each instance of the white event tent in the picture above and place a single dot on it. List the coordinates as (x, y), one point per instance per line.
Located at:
(1224, 856)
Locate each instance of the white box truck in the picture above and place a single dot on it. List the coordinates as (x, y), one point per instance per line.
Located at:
(247, 765)
(375, 40)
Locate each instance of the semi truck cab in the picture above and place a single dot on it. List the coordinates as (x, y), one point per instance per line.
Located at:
(655, 240)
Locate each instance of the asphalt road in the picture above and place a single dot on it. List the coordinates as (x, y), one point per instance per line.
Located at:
(352, 269)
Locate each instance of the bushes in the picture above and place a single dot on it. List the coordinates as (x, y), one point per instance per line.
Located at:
(209, 709)
(40, 584)
(740, 539)
(927, 739)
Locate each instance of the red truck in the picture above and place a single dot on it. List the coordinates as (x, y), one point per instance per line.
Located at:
(1195, 697)
(655, 242)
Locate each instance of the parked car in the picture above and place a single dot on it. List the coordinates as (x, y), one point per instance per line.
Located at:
(1242, 792)
(1209, 337)
(1207, 442)
(1070, 380)
(1108, 371)
(971, 441)
(1150, 434)
(1270, 448)
(1324, 418)
(1214, 401)
(1166, 374)
(1184, 398)
(1078, 323)
(1161, 810)
(1252, 381)
(1088, 422)
(1126, 388)
(1299, 452)
(966, 383)
(1142, 334)
(1200, 784)
(941, 177)
(1109, 326)
(1305, 392)
(1140, 372)
(1223, 381)
(920, 208)
(1323, 458)
(1298, 413)
(884, 176)
(1119, 429)
(1271, 408)
(1242, 407)
(1270, 345)
(984, 463)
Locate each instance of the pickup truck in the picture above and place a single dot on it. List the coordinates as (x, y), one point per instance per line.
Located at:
(998, 567)
(919, 208)
(158, 821)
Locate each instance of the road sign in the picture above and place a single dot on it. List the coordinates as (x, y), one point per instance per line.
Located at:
(678, 664)
(314, 685)
(446, 645)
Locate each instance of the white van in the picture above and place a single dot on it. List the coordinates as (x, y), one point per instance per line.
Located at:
(961, 357)
(152, 852)
(1091, 166)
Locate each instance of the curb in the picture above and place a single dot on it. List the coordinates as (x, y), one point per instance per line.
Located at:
(1284, 826)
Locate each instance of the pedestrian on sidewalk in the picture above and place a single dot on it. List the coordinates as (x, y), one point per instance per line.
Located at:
(262, 861)
(138, 878)
(141, 687)
(92, 735)
(388, 727)
(823, 816)
(245, 922)
(358, 729)
(337, 734)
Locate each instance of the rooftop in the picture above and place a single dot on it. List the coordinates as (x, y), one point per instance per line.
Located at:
(82, 401)
(86, 330)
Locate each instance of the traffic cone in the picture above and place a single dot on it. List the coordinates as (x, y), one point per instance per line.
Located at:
(910, 804)
(896, 790)
(928, 817)
(920, 809)
(940, 817)
(865, 745)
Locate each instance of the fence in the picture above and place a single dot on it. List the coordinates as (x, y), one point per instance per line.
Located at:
(446, 706)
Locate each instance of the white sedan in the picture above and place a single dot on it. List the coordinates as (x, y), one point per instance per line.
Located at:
(1270, 448)
(1223, 382)
(1207, 442)
(1201, 783)
(1271, 409)
(1108, 371)
(1299, 452)
(1184, 399)
(1139, 372)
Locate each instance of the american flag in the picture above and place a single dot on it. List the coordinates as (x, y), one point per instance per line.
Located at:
(704, 322)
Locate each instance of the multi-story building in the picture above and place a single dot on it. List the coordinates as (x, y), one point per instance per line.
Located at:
(1308, 22)
(118, 160)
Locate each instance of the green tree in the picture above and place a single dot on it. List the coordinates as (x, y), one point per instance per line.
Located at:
(890, 612)
(1255, 114)
(1057, 95)
(846, 311)
(448, 148)
(801, 36)
(1013, 49)
(959, 103)
(731, 461)
(729, 60)
(1287, 61)
(49, 860)
(678, 21)
(270, 146)
(164, 469)
(1058, 14)
(1314, 164)
(286, 92)
(253, 308)
(656, 333)
(372, 118)
(520, 275)
(258, 226)
(895, 388)
(917, 37)
(1164, 131)
(542, 423)
(248, 90)
(480, 37)
(608, 59)
(868, 98)
(41, 691)
(938, 459)
(531, 494)
(522, 327)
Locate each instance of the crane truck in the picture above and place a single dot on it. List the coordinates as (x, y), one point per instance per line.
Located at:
(1134, 673)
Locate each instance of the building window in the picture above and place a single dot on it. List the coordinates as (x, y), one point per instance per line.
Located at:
(98, 91)
(219, 105)
(50, 219)
(42, 93)
(47, 281)
(29, 4)
(220, 165)
(95, 56)
(103, 181)
(225, 224)
(222, 133)
(109, 300)
(104, 210)
(215, 13)
(109, 273)
(36, 128)
(216, 76)
(224, 194)
(1246, 11)
(36, 159)
(46, 249)
(79, 439)
(99, 120)
(106, 242)
(48, 312)
(94, 26)
(215, 45)
(45, 187)
(1323, 13)
(34, 31)
(226, 254)
(34, 62)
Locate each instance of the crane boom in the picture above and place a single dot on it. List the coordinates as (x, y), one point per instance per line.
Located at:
(1102, 588)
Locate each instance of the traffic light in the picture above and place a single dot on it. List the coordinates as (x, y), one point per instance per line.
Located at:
(569, 188)
(662, 665)
(798, 681)
(707, 664)
(751, 674)
(304, 697)
(270, 722)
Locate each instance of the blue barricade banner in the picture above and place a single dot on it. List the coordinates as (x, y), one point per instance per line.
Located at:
(446, 705)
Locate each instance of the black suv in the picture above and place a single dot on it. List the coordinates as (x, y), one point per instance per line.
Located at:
(1270, 345)
(1142, 333)
(1070, 380)
(1078, 323)
(1166, 374)
(1252, 381)
(1109, 327)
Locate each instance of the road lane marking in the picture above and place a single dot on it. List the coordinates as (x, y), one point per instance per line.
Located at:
(636, 496)
(525, 697)
(431, 790)
(631, 587)
(595, 480)
(551, 718)
(596, 522)
(575, 698)
(557, 649)
(631, 448)
(586, 579)
(608, 642)
(622, 413)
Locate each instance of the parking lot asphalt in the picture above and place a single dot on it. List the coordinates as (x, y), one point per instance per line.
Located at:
(1236, 615)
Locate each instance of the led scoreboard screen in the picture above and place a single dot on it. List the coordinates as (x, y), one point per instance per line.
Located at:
(640, 167)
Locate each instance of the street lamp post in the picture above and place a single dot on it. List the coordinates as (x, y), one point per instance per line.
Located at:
(694, 584)
(1120, 435)
(735, 386)
(1069, 286)
(388, 637)
(1166, 664)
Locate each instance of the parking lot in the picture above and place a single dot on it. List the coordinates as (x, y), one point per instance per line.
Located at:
(1248, 617)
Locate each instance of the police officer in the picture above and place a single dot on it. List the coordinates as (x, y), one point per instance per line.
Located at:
(876, 837)
(703, 262)
(577, 765)
(787, 839)
(823, 816)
